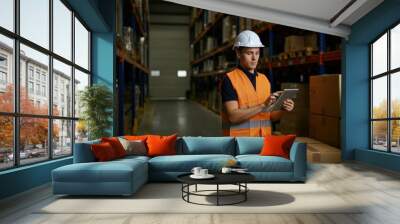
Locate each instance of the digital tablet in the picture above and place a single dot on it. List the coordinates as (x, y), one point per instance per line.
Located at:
(286, 94)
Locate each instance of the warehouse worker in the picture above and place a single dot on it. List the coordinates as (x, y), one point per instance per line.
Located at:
(246, 93)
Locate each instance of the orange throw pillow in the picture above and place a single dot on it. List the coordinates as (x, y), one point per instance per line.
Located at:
(161, 145)
(103, 152)
(136, 137)
(116, 145)
(277, 145)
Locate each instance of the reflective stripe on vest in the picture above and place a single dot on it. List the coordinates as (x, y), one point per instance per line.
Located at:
(247, 125)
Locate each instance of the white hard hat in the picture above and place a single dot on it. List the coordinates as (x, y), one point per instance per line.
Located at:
(247, 38)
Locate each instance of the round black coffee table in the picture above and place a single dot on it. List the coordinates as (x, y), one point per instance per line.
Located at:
(238, 179)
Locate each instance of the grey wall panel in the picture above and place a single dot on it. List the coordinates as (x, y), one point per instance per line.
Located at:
(169, 52)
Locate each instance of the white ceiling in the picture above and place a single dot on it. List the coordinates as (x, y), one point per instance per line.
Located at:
(314, 15)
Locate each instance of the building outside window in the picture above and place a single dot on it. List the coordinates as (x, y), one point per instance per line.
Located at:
(30, 87)
(43, 90)
(3, 78)
(30, 72)
(43, 77)
(3, 72)
(37, 75)
(38, 89)
(3, 61)
(34, 70)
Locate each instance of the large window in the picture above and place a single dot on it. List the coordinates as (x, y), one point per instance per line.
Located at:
(385, 91)
(44, 64)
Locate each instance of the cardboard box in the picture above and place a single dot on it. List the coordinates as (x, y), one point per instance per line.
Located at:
(294, 43)
(318, 152)
(311, 41)
(325, 129)
(244, 24)
(308, 140)
(295, 123)
(325, 95)
(323, 153)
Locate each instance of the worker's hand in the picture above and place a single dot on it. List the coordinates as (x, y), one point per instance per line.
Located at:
(288, 105)
(272, 98)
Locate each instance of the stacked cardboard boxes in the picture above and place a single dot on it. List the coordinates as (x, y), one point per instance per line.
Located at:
(310, 42)
(296, 122)
(324, 120)
(244, 24)
(294, 43)
(228, 29)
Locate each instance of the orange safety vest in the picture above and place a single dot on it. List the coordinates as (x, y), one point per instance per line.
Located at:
(259, 124)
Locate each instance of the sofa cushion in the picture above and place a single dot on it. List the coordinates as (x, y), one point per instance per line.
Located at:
(277, 145)
(257, 163)
(116, 145)
(208, 145)
(249, 145)
(135, 147)
(135, 137)
(161, 145)
(185, 163)
(103, 152)
(83, 152)
(132, 158)
(111, 171)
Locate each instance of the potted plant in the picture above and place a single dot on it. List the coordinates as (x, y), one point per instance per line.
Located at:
(96, 103)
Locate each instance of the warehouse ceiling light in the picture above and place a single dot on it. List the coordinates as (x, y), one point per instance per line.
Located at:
(326, 16)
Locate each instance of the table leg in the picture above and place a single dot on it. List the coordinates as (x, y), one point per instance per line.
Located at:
(188, 190)
(245, 193)
(217, 194)
(196, 188)
(182, 188)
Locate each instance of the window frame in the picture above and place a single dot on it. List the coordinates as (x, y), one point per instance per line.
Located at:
(16, 114)
(388, 74)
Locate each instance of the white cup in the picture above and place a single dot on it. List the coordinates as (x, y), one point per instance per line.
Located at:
(203, 172)
(226, 170)
(196, 171)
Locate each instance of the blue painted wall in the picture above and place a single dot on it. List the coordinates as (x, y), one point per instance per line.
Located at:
(99, 16)
(90, 12)
(24, 178)
(355, 106)
(103, 53)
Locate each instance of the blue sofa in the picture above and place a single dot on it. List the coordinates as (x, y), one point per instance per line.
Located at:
(125, 176)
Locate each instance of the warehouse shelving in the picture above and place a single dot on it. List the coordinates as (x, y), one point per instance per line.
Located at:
(123, 56)
(197, 15)
(208, 28)
(315, 58)
(132, 63)
(206, 82)
(216, 72)
(136, 13)
(218, 50)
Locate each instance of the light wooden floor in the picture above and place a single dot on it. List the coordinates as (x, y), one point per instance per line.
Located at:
(378, 189)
